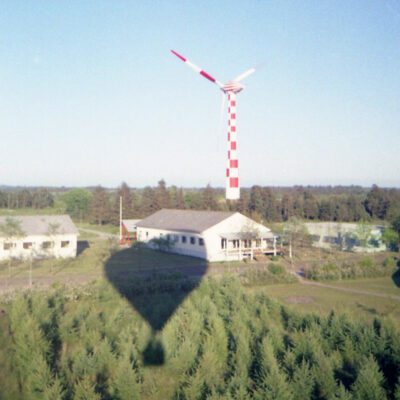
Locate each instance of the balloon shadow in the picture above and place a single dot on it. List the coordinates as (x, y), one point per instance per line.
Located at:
(396, 275)
(155, 283)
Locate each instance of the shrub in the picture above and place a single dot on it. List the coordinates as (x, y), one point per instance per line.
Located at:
(274, 273)
(276, 269)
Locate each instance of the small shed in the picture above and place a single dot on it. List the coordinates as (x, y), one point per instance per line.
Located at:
(128, 230)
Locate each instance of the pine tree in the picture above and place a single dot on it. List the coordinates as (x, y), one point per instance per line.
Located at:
(369, 382)
(273, 381)
(302, 382)
(209, 198)
(99, 207)
(85, 390)
(161, 195)
(124, 385)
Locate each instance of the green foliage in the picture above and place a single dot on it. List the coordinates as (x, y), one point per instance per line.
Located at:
(369, 382)
(222, 343)
(365, 268)
(273, 273)
(11, 228)
(77, 202)
(391, 238)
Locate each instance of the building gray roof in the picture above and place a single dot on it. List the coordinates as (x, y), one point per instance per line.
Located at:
(42, 224)
(184, 220)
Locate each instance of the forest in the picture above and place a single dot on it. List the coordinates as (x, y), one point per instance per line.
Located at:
(222, 343)
(273, 204)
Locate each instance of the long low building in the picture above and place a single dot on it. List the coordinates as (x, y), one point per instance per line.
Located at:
(211, 235)
(347, 236)
(42, 236)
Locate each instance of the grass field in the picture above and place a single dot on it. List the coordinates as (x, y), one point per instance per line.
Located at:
(323, 300)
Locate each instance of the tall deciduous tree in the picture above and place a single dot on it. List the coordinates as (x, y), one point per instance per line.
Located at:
(377, 202)
(77, 203)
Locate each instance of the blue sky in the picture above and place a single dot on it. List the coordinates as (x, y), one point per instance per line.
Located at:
(89, 93)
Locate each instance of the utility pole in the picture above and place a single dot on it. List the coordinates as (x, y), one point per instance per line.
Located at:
(120, 219)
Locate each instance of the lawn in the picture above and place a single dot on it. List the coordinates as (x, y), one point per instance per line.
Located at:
(107, 228)
(323, 300)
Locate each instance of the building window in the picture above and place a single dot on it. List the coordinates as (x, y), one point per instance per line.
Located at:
(8, 245)
(201, 242)
(27, 245)
(147, 235)
(64, 243)
(168, 237)
(183, 239)
(223, 243)
(176, 238)
(192, 240)
(47, 245)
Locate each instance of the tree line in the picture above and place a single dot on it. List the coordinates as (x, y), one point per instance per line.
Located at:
(261, 203)
(101, 205)
(26, 198)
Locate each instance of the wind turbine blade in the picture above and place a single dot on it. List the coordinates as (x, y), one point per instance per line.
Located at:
(244, 75)
(197, 69)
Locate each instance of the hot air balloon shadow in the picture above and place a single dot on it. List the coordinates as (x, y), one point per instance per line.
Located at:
(155, 284)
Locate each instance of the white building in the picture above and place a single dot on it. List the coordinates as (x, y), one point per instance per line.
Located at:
(37, 237)
(212, 235)
(347, 236)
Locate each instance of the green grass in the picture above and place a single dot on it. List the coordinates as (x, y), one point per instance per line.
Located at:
(31, 211)
(107, 228)
(383, 285)
(323, 300)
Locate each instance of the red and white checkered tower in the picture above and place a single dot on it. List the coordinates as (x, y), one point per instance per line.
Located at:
(230, 89)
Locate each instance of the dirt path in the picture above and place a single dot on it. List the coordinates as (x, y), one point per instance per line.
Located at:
(348, 290)
(101, 235)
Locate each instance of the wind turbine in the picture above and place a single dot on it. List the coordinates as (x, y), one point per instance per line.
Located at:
(230, 90)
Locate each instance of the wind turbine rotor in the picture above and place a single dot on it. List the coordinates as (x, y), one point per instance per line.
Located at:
(197, 69)
(244, 75)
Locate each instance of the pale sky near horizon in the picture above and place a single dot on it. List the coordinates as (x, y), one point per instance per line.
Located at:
(90, 94)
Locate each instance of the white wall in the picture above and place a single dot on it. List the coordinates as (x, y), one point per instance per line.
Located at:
(235, 223)
(37, 251)
(195, 250)
(212, 237)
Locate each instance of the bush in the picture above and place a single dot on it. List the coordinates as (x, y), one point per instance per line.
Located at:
(366, 268)
(273, 273)
(389, 262)
(276, 269)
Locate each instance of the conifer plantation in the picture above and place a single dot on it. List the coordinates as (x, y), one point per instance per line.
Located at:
(223, 342)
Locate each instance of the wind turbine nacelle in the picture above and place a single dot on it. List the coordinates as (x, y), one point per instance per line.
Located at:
(232, 86)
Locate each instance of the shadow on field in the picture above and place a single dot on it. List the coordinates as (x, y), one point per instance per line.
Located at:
(81, 246)
(155, 284)
(396, 277)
